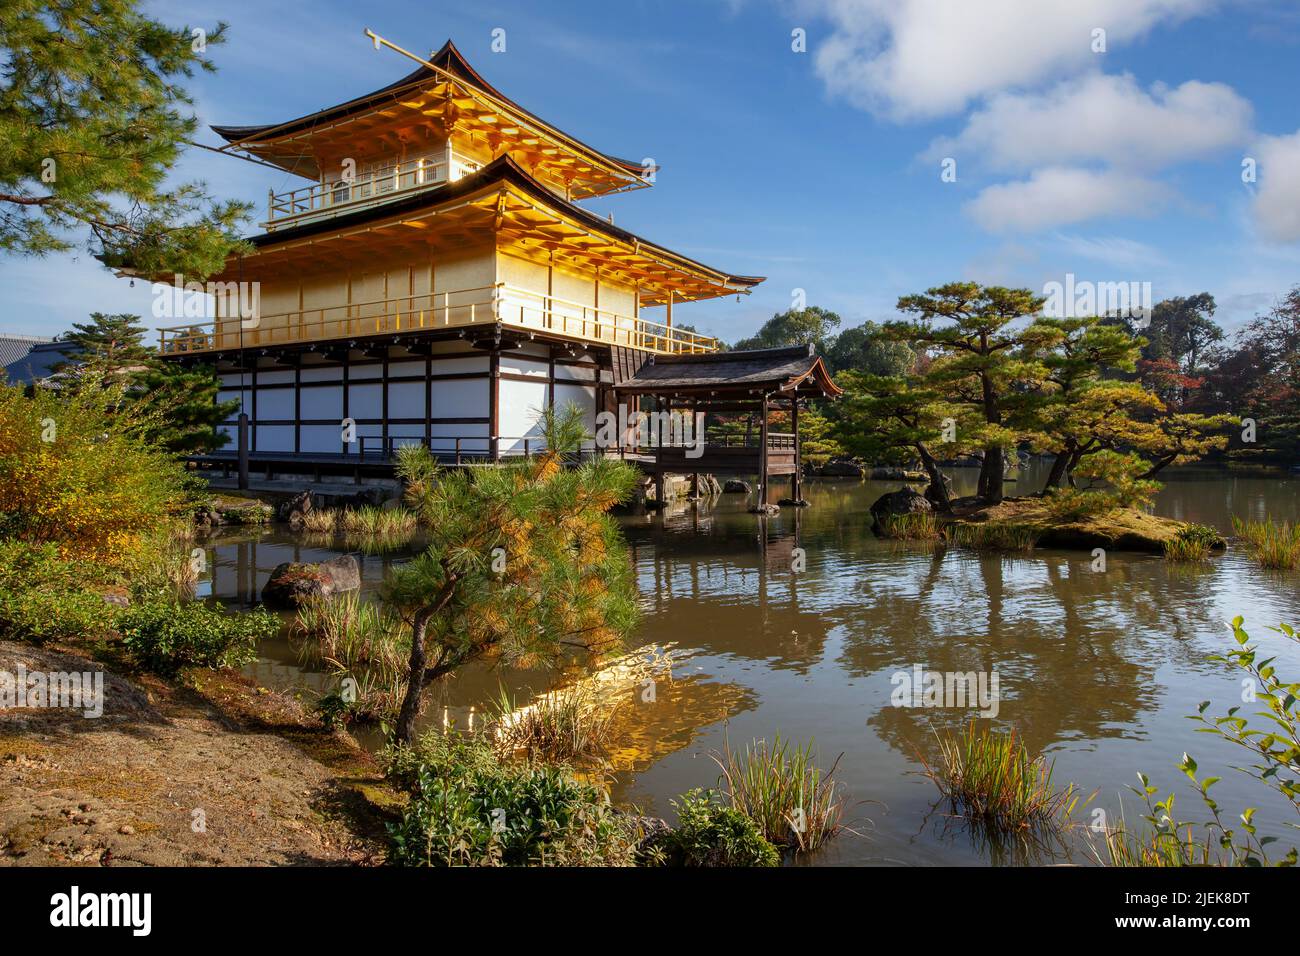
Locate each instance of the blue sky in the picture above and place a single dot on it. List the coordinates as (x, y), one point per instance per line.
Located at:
(822, 169)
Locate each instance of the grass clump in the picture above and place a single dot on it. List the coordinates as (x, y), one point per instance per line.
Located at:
(1191, 544)
(567, 725)
(469, 808)
(993, 535)
(320, 521)
(711, 834)
(780, 788)
(378, 522)
(360, 640)
(916, 526)
(993, 779)
(1270, 544)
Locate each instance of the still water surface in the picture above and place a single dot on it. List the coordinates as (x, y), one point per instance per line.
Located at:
(1098, 669)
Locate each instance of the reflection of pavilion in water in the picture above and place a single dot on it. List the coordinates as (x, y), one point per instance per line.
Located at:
(742, 582)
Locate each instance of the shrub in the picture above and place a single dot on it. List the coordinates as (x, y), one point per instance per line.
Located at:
(78, 470)
(469, 809)
(780, 788)
(45, 597)
(165, 636)
(710, 834)
(992, 778)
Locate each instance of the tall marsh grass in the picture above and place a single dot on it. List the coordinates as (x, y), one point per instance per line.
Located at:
(779, 786)
(1270, 544)
(993, 535)
(917, 526)
(361, 640)
(570, 725)
(1191, 544)
(992, 778)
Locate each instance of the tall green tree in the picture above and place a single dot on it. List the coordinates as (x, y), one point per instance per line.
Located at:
(868, 349)
(93, 118)
(524, 565)
(984, 359)
(110, 349)
(813, 325)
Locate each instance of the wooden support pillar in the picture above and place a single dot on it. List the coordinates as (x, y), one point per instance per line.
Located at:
(762, 455)
(796, 484)
(494, 405)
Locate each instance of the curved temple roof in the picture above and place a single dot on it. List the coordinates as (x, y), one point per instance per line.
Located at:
(267, 141)
(791, 370)
(484, 188)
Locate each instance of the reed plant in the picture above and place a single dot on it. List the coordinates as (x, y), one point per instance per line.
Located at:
(360, 639)
(321, 521)
(917, 526)
(570, 725)
(993, 535)
(992, 778)
(780, 787)
(1269, 543)
(1191, 544)
(379, 522)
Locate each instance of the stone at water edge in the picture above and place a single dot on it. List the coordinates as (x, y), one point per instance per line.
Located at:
(734, 486)
(793, 503)
(290, 583)
(842, 468)
(304, 502)
(765, 510)
(904, 501)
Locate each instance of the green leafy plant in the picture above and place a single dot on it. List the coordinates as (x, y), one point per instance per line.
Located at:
(165, 636)
(711, 834)
(468, 808)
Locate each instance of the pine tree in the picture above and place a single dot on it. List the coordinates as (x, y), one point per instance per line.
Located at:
(523, 566)
(93, 118)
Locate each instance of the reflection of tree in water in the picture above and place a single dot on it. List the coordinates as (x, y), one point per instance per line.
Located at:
(1076, 650)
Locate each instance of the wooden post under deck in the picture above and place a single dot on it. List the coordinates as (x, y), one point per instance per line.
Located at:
(762, 455)
(795, 479)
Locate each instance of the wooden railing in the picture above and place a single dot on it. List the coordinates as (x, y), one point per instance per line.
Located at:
(462, 308)
(367, 188)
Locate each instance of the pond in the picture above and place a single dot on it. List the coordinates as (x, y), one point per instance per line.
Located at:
(1098, 668)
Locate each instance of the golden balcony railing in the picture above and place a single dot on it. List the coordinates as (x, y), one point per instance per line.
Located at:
(464, 308)
(366, 188)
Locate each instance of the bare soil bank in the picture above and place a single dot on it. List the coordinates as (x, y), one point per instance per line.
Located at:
(210, 770)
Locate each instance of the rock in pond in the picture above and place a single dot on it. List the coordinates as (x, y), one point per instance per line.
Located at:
(290, 583)
(734, 486)
(904, 501)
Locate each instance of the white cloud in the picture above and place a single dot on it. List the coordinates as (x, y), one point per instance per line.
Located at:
(1102, 118)
(1059, 195)
(1277, 203)
(913, 59)
(1111, 250)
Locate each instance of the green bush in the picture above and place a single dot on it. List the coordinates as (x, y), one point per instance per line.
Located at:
(469, 809)
(165, 636)
(44, 597)
(710, 834)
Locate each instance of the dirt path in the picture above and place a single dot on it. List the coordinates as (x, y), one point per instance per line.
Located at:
(218, 772)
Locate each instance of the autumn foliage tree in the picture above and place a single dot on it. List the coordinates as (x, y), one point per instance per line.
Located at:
(524, 565)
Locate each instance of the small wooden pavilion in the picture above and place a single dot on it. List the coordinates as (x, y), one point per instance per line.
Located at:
(755, 383)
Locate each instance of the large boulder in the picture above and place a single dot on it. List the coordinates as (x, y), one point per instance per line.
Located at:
(842, 468)
(734, 486)
(904, 501)
(291, 583)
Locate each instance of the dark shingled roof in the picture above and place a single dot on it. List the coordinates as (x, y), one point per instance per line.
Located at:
(14, 347)
(796, 367)
(38, 363)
